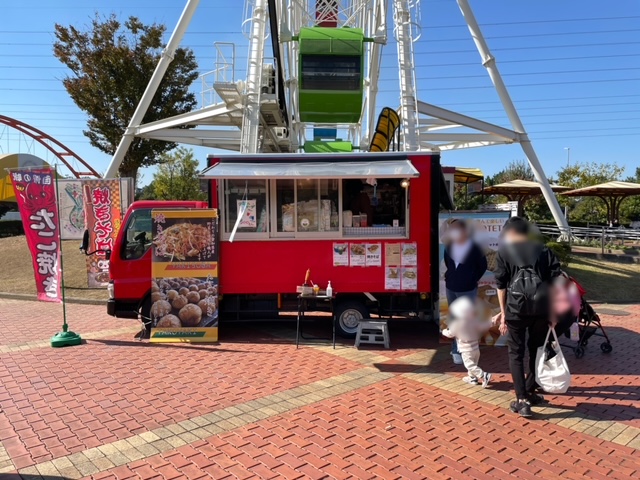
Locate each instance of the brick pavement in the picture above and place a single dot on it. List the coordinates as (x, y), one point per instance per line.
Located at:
(255, 407)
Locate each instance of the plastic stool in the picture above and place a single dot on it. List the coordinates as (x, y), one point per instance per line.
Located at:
(375, 333)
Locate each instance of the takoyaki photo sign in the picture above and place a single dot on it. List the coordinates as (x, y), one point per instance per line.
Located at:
(184, 286)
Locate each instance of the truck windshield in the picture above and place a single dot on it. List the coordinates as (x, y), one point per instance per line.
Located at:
(138, 235)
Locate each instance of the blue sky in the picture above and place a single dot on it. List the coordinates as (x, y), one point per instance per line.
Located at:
(572, 68)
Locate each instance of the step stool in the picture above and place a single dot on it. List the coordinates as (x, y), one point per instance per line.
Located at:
(375, 333)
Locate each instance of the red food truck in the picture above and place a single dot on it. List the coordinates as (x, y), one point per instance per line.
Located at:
(367, 223)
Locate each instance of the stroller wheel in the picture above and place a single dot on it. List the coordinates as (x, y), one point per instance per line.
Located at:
(606, 347)
(579, 351)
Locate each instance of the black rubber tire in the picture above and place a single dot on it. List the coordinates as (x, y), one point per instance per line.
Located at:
(579, 352)
(606, 347)
(348, 314)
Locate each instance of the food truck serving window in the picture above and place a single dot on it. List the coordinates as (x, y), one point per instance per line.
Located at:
(315, 200)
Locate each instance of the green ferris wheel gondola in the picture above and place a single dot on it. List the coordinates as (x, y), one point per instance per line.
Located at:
(331, 71)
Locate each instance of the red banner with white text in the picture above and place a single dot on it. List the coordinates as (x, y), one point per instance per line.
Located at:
(103, 216)
(36, 197)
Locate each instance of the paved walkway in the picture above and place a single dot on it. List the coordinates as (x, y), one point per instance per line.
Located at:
(257, 407)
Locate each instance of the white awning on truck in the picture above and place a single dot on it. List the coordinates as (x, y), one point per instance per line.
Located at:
(375, 169)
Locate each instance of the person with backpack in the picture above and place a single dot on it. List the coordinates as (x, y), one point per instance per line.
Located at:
(466, 264)
(524, 273)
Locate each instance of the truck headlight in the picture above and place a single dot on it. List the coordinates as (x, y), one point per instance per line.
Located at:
(110, 289)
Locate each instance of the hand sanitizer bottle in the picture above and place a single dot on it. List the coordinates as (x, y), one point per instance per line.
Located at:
(329, 290)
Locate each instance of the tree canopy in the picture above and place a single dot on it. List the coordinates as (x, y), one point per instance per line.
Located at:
(579, 175)
(177, 177)
(111, 64)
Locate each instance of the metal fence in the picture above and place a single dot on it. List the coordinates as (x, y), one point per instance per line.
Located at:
(594, 236)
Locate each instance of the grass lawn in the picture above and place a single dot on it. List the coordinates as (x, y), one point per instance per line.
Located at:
(603, 280)
(607, 281)
(16, 271)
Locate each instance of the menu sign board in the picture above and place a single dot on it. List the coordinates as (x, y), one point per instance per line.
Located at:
(184, 276)
(486, 228)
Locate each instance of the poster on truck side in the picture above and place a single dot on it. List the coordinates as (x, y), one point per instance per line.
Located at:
(486, 228)
(36, 198)
(184, 276)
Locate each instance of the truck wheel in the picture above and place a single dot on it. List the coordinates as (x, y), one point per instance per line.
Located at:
(348, 315)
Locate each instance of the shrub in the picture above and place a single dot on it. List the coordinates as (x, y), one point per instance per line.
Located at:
(562, 251)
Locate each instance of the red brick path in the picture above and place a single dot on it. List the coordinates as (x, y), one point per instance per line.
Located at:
(56, 402)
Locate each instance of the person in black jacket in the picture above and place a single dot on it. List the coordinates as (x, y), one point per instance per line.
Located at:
(466, 264)
(524, 272)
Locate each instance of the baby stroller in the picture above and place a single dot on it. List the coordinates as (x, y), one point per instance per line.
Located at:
(589, 325)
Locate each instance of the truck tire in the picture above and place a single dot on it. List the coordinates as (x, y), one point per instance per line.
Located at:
(348, 315)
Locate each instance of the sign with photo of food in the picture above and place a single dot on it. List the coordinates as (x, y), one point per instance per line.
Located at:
(486, 228)
(184, 283)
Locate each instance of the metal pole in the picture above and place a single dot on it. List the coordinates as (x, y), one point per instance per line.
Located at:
(251, 119)
(64, 338)
(150, 91)
(489, 62)
(408, 96)
(568, 149)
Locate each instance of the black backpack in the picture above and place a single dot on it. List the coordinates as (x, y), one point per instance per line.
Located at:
(528, 293)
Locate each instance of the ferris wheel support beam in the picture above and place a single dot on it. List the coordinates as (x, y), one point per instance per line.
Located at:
(408, 98)
(489, 62)
(163, 64)
(251, 119)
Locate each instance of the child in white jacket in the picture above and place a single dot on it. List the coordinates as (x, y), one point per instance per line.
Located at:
(467, 328)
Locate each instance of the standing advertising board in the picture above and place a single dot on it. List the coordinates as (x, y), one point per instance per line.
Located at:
(103, 208)
(184, 287)
(486, 231)
(36, 198)
(71, 205)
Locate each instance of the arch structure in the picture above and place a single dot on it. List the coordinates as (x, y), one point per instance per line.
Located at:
(62, 153)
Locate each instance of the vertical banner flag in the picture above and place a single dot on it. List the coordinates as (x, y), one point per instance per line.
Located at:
(103, 216)
(486, 232)
(36, 198)
(184, 277)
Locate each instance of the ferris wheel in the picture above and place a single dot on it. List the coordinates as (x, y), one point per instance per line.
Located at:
(312, 77)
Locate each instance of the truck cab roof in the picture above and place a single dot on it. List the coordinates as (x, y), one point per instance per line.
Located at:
(168, 204)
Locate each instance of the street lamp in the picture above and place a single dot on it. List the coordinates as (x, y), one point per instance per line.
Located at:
(568, 149)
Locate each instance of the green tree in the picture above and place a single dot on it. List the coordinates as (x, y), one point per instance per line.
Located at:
(111, 64)
(535, 208)
(177, 177)
(579, 175)
(630, 207)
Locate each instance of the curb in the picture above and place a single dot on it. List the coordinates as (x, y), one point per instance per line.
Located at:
(33, 298)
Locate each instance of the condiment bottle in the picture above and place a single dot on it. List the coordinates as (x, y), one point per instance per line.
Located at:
(329, 290)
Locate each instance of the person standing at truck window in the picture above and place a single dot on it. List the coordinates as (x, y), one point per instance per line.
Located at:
(360, 203)
(466, 264)
(524, 273)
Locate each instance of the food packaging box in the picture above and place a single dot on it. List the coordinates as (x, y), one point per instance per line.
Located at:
(347, 218)
(356, 220)
(304, 290)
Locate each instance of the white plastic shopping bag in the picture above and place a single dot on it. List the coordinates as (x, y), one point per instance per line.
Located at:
(552, 374)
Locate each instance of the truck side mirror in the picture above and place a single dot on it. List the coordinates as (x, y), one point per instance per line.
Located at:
(107, 254)
(85, 242)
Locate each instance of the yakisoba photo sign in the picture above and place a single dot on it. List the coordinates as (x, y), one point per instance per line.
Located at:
(184, 286)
